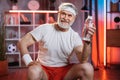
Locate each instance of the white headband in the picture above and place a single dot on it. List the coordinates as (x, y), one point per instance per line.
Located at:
(66, 8)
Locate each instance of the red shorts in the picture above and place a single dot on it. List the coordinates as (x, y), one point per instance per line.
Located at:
(56, 73)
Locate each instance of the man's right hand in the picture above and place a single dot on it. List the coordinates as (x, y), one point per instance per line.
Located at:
(33, 63)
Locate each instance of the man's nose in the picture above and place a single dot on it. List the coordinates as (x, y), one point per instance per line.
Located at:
(66, 17)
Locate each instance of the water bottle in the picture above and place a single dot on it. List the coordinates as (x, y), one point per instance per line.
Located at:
(88, 23)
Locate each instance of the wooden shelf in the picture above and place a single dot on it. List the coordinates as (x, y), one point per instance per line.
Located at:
(113, 37)
(16, 27)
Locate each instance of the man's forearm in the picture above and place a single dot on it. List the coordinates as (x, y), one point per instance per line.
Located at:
(86, 52)
(22, 48)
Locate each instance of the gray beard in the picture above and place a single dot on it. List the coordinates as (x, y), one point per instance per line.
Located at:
(64, 26)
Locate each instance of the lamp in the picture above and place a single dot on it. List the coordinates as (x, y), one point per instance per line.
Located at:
(85, 7)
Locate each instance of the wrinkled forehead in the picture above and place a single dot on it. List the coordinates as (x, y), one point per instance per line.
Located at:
(67, 7)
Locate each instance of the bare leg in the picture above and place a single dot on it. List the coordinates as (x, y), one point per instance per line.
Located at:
(80, 72)
(35, 72)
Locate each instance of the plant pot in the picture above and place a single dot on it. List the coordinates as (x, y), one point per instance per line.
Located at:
(3, 68)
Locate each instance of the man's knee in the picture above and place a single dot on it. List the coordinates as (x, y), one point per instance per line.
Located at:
(84, 66)
(88, 70)
(87, 66)
(34, 69)
(34, 72)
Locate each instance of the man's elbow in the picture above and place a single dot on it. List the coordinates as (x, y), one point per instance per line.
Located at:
(18, 44)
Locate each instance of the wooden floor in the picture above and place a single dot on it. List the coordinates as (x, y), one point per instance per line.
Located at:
(101, 74)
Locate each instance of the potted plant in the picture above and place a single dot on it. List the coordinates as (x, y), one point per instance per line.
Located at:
(3, 59)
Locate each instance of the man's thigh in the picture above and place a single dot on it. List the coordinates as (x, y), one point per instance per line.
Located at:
(80, 71)
(36, 72)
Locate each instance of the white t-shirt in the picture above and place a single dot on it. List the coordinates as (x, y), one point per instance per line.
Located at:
(55, 46)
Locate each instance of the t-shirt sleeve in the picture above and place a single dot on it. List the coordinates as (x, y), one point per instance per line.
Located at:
(77, 40)
(38, 32)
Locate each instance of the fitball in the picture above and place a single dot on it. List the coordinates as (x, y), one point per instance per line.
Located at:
(11, 48)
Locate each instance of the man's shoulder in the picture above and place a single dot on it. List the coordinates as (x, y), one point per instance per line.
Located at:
(73, 31)
(45, 26)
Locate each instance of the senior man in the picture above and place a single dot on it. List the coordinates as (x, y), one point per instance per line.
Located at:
(57, 41)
